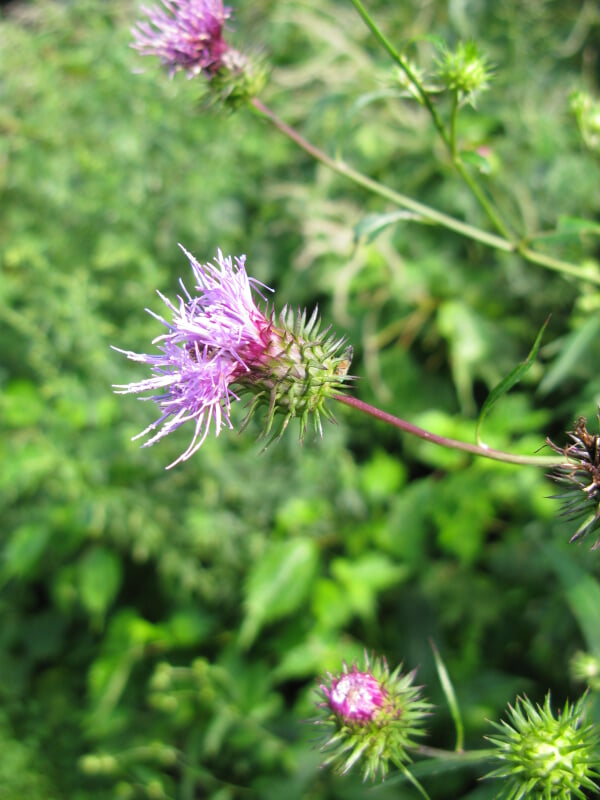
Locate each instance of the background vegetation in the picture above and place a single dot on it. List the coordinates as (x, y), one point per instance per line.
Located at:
(162, 631)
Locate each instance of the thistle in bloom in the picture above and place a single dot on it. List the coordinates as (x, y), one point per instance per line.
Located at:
(580, 474)
(219, 345)
(185, 35)
(545, 757)
(371, 717)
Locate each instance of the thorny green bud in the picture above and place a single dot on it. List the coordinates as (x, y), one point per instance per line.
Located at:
(545, 757)
(371, 717)
(240, 79)
(580, 474)
(586, 667)
(587, 114)
(464, 71)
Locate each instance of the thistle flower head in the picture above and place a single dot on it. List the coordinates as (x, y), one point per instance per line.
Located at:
(543, 756)
(371, 717)
(219, 345)
(580, 474)
(185, 35)
(464, 71)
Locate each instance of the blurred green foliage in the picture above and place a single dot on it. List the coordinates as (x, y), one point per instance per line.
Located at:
(162, 631)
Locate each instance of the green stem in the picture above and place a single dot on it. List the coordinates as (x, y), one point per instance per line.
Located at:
(427, 213)
(448, 139)
(383, 191)
(466, 756)
(483, 201)
(444, 441)
(453, 119)
(395, 55)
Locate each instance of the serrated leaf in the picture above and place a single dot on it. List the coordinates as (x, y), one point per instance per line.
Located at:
(278, 584)
(511, 379)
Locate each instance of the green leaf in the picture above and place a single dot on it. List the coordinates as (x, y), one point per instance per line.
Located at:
(572, 352)
(100, 574)
(25, 549)
(583, 595)
(278, 584)
(450, 695)
(476, 160)
(372, 225)
(578, 225)
(511, 379)
(363, 578)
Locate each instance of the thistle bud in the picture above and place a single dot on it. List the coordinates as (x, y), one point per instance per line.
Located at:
(580, 475)
(585, 667)
(371, 717)
(587, 113)
(544, 756)
(464, 71)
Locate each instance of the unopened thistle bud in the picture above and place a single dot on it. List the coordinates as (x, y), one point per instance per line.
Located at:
(586, 667)
(545, 757)
(188, 35)
(580, 475)
(464, 71)
(220, 345)
(371, 717)
(587, 113)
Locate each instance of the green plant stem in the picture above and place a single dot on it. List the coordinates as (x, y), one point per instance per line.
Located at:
(467, 756)
(383, 191)
(444, 441)
(449, 139)
(395, 55)
(427, 213)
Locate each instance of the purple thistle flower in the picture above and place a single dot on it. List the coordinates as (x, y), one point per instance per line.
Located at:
(186, 34)
(370, 717)
(355, 696)
(218, 339)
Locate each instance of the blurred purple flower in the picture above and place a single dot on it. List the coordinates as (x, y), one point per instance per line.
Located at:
(213, 340)
(186, 34)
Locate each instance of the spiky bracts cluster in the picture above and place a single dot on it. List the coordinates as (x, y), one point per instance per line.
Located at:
(371, 717)
(465, 71)
(300, 369)
(585, 667)
(546, 757)
(580, 474)
(219, 344)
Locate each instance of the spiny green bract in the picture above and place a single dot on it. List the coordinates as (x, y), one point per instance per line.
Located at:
(546, 757)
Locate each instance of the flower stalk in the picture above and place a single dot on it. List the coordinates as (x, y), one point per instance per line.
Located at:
(444, 441)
